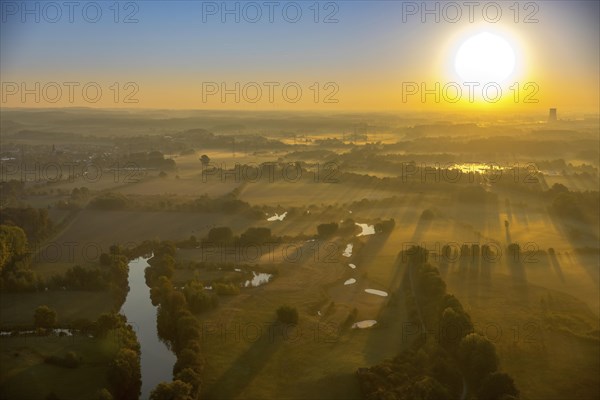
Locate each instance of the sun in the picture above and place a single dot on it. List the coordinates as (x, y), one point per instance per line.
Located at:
(485, 58)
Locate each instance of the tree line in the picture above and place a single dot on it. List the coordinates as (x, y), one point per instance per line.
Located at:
(177, 324)
(454, 363)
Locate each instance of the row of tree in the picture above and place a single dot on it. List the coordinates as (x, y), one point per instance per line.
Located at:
(16, 274)
(124, 372)
(349, 227)
(223, 235)
(35, 222)
(454, 363)
(176, 323)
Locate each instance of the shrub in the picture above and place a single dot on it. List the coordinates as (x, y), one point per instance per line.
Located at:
(327, 230)
(220, 234)
(44, 317)
(287, 315)
(70, 360)
(226, 289)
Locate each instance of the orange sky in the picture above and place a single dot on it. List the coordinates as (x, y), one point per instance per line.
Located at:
(374, 58)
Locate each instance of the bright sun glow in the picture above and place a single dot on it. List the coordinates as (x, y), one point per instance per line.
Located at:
(485, 58)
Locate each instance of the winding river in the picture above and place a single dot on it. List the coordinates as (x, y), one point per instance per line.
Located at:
(157, 360)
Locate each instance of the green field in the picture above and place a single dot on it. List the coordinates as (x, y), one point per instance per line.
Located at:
(18, 309)
(547, 340)
(541, 311)
(25, 376)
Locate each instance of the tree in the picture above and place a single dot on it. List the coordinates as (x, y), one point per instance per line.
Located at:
(197, 298)
(429, 389)
(109, 201)
(385, 226)
(477, 357)
(163, 265)
(187, 358)
(103, 394)
(415, 255)
(226, 289)
(287, 315)
(558, 188)
(176, 390)
(256, 235)
(427, 214)
(566, 205)
(168, 313)
(35, 222)
(429, 283)
(189, 376)
(105, 259)
(105, 323)
(204, 159)
(176, 302)
(497, 386)
(166, 247)
(454, 325)
(13, 244)
(115, 249)
(327, 230)
(220, 234)
(514, 253)
(187, 329)
(124, 375)
(444, 370)
(44, 317)
(160, 290)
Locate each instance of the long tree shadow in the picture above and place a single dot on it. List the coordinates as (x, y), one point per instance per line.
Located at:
(445, 260)
(473, 269)
(583, 241)
(514, 259)
(522, 216)
(383, 340)
(556, 264)
(489, 260)
(423, 225)
(409, 213)
(589, 259)
(370, 250)
(390, 321)
(507, 232)
(247, 366)
(508, 206)
(491, 221)
(334, 386)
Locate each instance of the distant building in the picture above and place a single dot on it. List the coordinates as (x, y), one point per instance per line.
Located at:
(552, 115)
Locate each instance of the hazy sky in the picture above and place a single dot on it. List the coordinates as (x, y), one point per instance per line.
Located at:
(367, 56)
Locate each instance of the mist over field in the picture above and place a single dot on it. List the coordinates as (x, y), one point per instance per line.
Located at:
(299, 200)
(326, 219)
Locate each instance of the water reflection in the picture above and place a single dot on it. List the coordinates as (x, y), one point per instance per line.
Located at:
(364, 324)
(258, 279)
(157, 360)
(376, 292)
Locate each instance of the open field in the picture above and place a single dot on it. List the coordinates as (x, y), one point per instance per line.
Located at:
(18, 309)
(539, 305)
(541, 335)
(25, 376)
(332, 200)
(251, 356)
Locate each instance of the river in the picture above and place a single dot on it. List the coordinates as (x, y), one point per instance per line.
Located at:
(157, 360)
